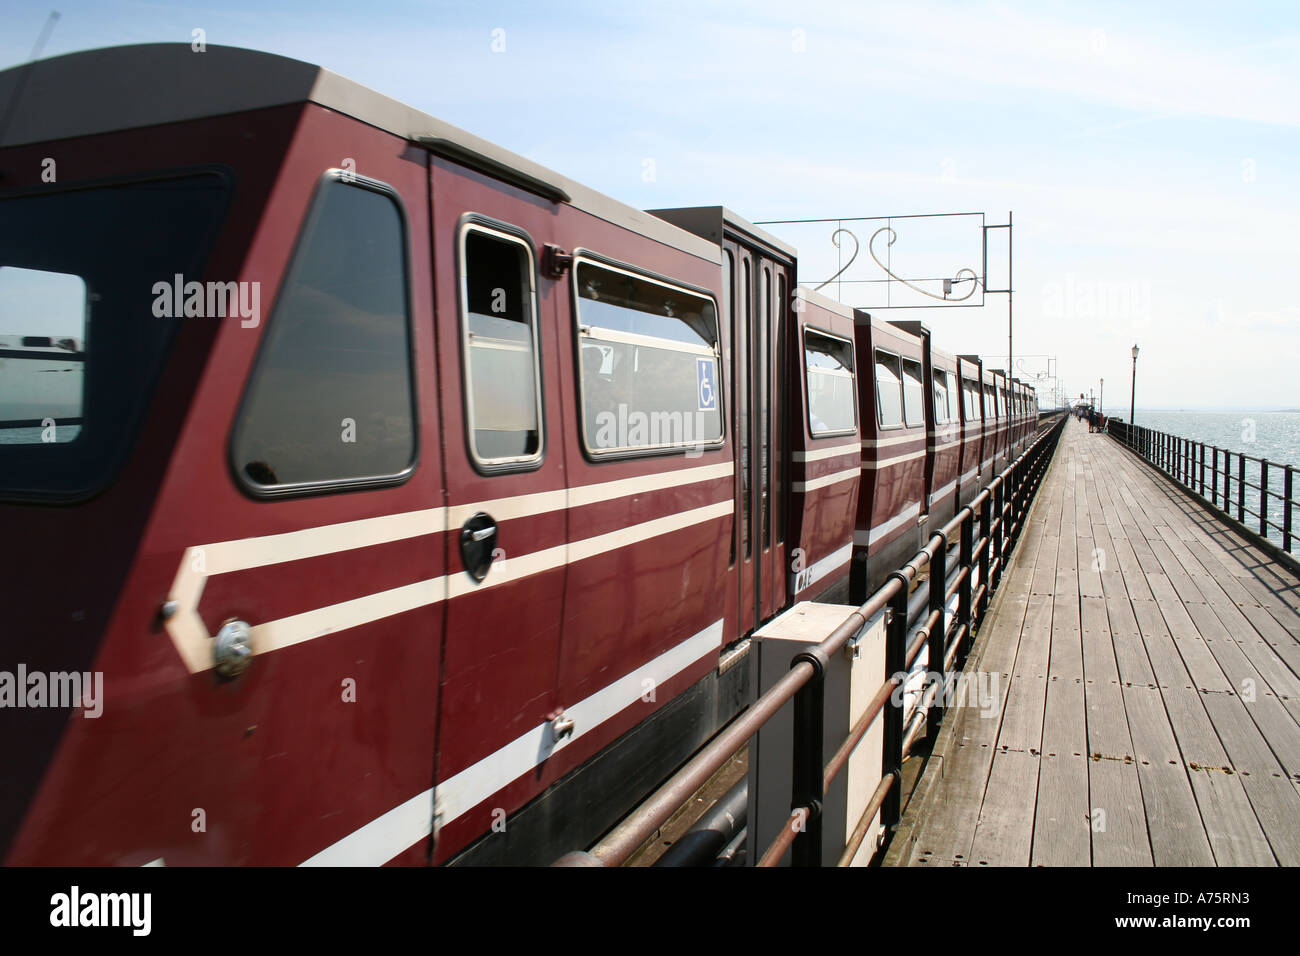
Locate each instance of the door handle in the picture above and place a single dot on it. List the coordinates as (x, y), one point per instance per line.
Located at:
(478, 544)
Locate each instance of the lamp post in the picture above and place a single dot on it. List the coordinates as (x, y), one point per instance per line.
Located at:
(1133, 394)
(1101, 399)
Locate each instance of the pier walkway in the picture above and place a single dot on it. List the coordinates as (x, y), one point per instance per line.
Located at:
(1152, 715)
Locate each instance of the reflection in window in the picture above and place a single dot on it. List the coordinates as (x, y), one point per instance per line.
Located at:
(829, 363)
(649, 366)
(331, 398)
(42, 355)
(889, 389)
(972, 397)
(941, 411)
(500, 334)
(913, 393)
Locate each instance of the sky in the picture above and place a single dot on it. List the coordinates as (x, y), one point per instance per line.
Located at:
(1146, 153)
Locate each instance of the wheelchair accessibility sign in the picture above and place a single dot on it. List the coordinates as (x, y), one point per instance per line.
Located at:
(706, 383)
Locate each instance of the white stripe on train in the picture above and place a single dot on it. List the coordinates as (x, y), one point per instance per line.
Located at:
(189, 634)
(411, 821)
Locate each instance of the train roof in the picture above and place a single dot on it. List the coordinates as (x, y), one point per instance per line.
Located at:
(126, 87)
(825, 302)
(711, 222)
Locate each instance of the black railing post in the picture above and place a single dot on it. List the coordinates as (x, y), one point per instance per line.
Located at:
(1263, 498)
(938, 644)
(967, 562)
(1241, 487)
(1214, 475)
(1227, 482)
(1286, 509)
(999, 535)
(809, 759)
(895, 666)
(986, 519)
(1202, 444)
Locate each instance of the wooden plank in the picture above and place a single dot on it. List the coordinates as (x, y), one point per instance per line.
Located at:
(1005, 832)
(1061, 818)
(1022, 716)
(1177, 835)
(1235, 834)
(1119, 832)
(1275, 801)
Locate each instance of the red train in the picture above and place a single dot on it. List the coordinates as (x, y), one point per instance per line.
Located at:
(411, 502)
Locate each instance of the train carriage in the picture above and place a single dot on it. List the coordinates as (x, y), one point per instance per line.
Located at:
(970, 462)
(893, 451)
(405, 493)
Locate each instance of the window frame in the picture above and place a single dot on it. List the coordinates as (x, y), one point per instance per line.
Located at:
(508, 232)
(947, 418)
(853, 377)
(583, 255)
(875, 381)
(315, 206)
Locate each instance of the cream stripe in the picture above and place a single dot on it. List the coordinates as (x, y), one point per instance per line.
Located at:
(406, 824)
(886, 442)
(822, 453)
(866, 537)
(824, 480)
(245, 553)
(885, 463)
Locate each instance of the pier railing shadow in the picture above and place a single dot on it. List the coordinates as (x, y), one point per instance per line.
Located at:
(1255, 509)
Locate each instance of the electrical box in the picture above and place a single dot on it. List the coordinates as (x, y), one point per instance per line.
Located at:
(854, 676)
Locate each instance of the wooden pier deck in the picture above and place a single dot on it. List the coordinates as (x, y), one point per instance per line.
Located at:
(1152, 715)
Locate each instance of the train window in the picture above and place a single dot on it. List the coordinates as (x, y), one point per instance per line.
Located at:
(829, 366)
(942, 414)
(499, 308)
(990, 402)
(89, 306)
(44, 361)
(331, 402)
(649, 369)
(971, 395)
(913, 393)
(889, 389)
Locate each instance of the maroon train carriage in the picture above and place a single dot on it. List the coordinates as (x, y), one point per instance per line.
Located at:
(943, 430)
(459, 471)
(405, 494)
(969, 483)
(893, 452)
(827, 452)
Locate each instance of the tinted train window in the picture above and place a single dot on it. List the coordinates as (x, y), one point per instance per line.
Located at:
(829, 365)
(990, 403)
(942, 414)
(499, 309)
(889, 390)
(87, 319)
(972, 396)
(42, 355)
(649, 369)
(331, 397)
(913, 393)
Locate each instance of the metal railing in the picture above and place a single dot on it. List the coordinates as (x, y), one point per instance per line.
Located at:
(1000, 510)
(1234, 496)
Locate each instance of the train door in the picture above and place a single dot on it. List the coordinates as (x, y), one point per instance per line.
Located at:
(507, 519)
(759, 305)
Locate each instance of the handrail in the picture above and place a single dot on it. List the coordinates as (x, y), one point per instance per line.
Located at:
(1184, 461)
(1011, 490)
